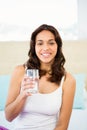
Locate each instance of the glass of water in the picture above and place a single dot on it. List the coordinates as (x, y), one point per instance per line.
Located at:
(33, 75)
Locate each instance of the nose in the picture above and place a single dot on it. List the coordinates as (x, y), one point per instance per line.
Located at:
(45, 47)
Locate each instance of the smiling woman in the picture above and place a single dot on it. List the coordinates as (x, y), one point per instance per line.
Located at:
(47, 109)
(75, 63)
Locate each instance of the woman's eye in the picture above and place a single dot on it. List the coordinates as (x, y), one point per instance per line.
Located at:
(51, 43)
(39, 43)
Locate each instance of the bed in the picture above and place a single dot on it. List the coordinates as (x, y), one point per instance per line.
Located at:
(76, 64)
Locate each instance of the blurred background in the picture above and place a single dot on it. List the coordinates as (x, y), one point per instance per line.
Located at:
(18, 18)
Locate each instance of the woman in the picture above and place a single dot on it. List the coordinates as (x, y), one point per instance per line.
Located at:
(51, 107)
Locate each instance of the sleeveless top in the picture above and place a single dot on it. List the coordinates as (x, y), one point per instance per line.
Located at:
(41, 111)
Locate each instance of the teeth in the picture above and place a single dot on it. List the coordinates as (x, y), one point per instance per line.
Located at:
(45, 54)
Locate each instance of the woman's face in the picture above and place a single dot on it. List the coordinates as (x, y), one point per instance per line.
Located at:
(46, 46)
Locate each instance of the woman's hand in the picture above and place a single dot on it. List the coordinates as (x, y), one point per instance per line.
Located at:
(27, 83)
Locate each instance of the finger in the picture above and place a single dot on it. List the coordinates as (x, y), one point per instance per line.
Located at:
(25, 94)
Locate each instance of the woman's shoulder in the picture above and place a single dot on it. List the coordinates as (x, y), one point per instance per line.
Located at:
(20, 67)
(19, 70)
(70, 76)
(69, 80)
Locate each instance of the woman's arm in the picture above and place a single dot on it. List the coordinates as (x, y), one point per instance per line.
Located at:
(67, 102)
(15, 100)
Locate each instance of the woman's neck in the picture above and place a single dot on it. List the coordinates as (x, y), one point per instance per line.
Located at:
(46, 67)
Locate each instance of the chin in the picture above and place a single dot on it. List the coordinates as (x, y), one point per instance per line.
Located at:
(47, 61)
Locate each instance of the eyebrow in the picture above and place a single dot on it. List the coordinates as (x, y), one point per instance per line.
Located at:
(52, 40)
(48, 40)
(39, 40)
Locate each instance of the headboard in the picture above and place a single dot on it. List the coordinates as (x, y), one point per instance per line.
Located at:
(13, 53)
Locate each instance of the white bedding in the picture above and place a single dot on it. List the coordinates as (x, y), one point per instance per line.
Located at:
(4, 122)
(78, 120)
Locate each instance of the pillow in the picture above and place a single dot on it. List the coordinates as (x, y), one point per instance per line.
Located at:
(79, 94)
(4, 84)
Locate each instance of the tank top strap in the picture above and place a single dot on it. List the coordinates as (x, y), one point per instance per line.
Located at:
(62, 81)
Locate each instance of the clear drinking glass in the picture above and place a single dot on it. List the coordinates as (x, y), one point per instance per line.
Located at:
(34, 75)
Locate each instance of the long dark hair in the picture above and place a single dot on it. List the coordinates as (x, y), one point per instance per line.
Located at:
(57, 68)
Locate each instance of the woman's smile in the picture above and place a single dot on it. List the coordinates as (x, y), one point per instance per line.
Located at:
(46, 54)
(46, 46)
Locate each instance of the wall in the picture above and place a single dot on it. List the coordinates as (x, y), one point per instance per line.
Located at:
(15, 53)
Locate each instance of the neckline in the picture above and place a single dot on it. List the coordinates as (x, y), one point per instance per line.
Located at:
(57, 89)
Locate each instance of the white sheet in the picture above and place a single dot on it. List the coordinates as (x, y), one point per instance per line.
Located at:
(78, 120)
(4, 122)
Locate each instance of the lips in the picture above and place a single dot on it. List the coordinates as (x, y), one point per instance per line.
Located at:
(46, 55)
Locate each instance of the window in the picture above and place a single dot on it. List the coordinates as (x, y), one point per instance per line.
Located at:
(20, 17)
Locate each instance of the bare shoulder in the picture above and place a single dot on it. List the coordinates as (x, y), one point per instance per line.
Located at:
(19, 69)
(69, 81)
(18, 72)
(70, 78)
